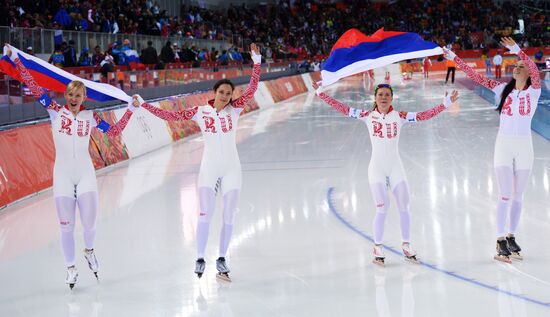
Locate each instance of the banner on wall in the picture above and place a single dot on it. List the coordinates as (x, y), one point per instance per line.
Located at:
(26, 161)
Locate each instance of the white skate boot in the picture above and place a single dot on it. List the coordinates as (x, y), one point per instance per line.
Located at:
(92, 261)
(72, 275)
(200, 265)
(223, 270)
(410, 254)
(378, 255)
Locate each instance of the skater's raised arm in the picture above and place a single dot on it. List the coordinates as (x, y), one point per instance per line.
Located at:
(475, 76)
(117, 128)
(512, 46)
(38, 92)
(432, 112)
(254, 79)
(339, 106)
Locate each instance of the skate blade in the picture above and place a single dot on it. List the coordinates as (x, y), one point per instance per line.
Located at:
(504, 259)
(379, 261)
(516, 256)
(412, 259)
(223, 277)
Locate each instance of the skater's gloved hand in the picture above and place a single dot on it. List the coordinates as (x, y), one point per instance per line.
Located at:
(450, 98)
(9, 53)
(136, 102)
(511, 45)
(255, 54)
(448, 54)
(317, 88)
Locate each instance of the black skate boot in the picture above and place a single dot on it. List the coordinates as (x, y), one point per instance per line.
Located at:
(223, 270)
(514, 248)
(199, 267)
(503, 254)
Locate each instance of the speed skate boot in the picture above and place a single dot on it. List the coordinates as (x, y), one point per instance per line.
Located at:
(89, 255)
(378, 255)
(199, 267)
(409, 253)
(72, 275)
(223, 270)
(503, 254)
(514, 248)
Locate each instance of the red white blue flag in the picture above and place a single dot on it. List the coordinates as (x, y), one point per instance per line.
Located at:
(354, 52)
(53, 78)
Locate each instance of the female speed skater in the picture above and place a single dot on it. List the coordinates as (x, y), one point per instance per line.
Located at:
(513, 159)
(74, 179)
(384, 125)
(220, 161)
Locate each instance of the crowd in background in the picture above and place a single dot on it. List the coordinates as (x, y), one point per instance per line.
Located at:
(284, 29)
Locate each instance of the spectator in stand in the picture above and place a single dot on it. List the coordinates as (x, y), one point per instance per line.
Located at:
(84, 58)
(70, 55)
(149, 55)
(176, 52)
(223, 59)
(167, 53)
(316, 66)
(30, 51)
(98, 57)
(204, 55)
(186, 55)
(57, 58)
(236, 55)
(107, 65)
(119, 55)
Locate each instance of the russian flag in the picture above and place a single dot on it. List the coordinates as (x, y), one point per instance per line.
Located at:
(132, 58)
(354, 52)
(53, 78)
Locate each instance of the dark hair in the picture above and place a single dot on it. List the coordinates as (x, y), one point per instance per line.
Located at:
(223, 82)
(150, 43)
(507, 90)
(388, 86)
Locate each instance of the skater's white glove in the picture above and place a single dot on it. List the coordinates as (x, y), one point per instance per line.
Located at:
(450, 55)
(256, 58)
(514, 49)
(9, 53)
(136, 102)
(317, 87)
(450, 98)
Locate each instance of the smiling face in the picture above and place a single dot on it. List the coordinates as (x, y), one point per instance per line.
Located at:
(383, 99)
(75, 95)
(223, 95)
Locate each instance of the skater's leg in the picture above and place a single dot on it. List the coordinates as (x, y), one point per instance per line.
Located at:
(401, 194)
(207, 205)
(380, 196)
(66, 213)
(230, 201)
(505, 181)
(88, 206)
(521, 179)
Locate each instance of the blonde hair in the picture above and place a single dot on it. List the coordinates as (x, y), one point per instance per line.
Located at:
(76, 84)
